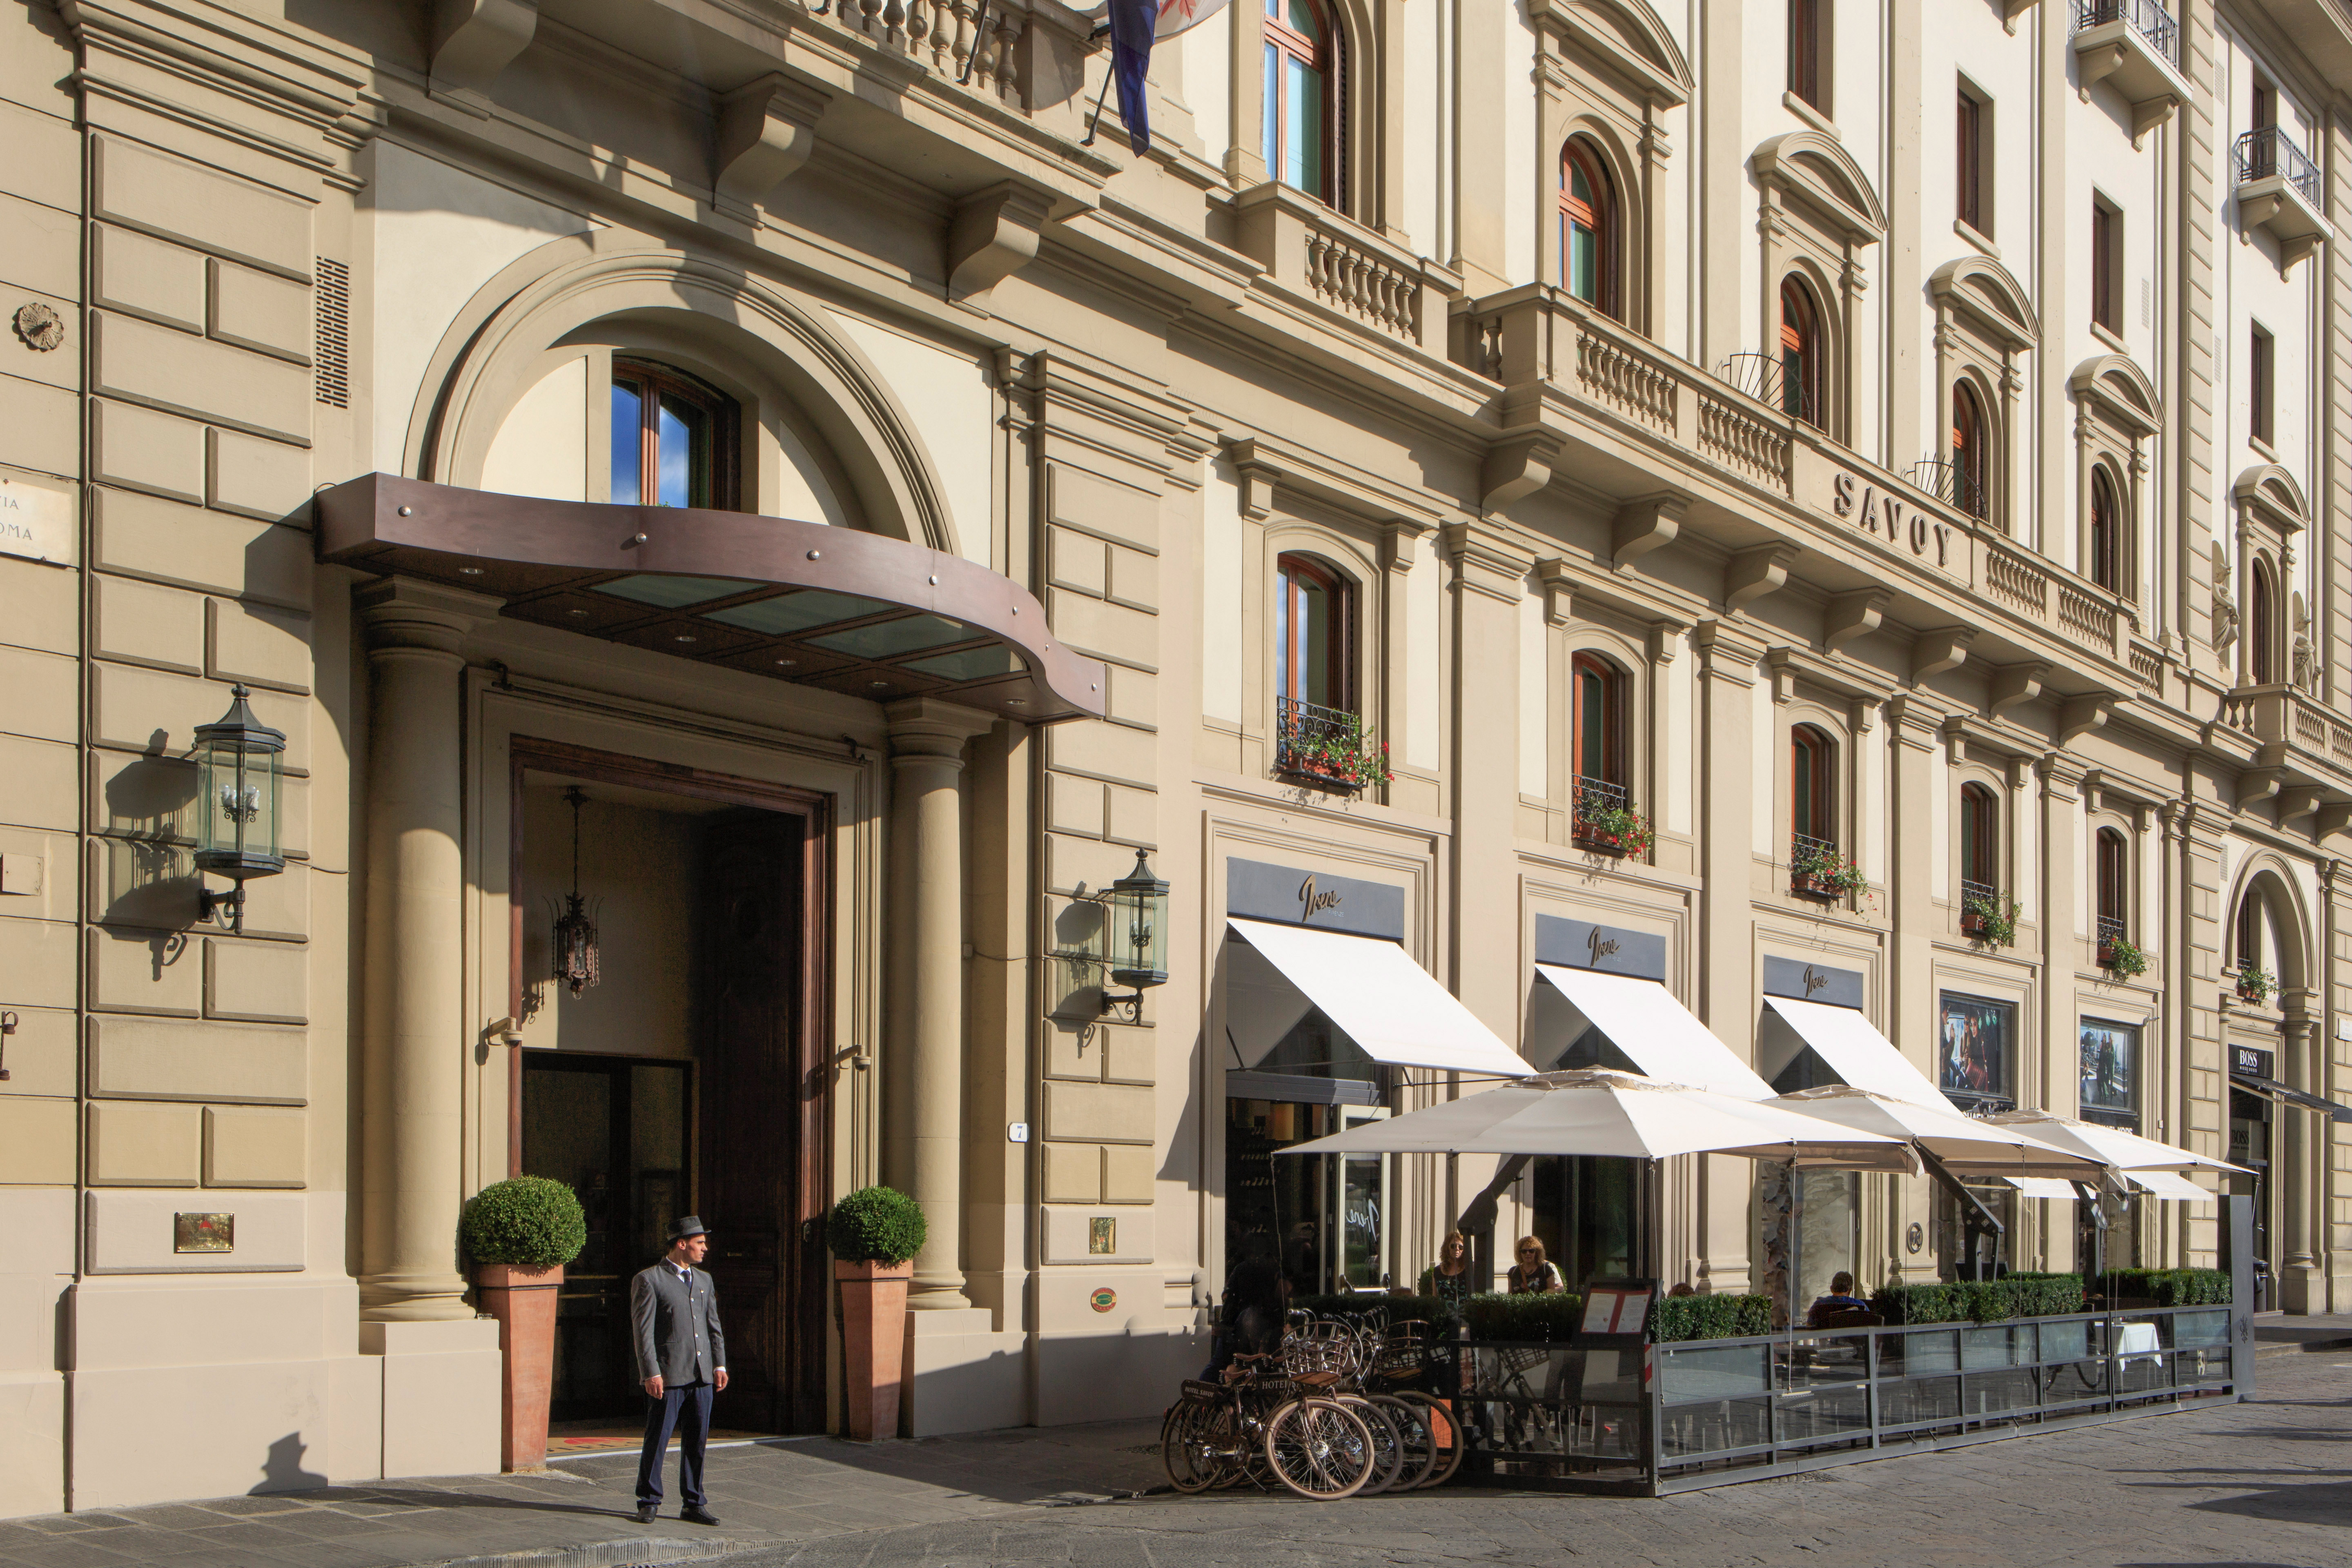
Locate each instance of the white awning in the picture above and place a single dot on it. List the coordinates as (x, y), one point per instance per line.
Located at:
(2168, 1185)
(1850, 1047)
(1658, 1034)
(2044, 1187)
(1389, 1005)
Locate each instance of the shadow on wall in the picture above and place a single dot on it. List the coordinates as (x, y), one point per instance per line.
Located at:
(283, 1471)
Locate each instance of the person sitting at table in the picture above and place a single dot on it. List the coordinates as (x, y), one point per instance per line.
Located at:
(1841, 1299)
(1450, 1279)
(1533, 1275)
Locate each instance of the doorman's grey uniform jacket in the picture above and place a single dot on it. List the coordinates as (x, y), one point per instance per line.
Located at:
(677, 1322)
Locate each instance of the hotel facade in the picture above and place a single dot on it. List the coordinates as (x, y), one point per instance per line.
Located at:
(1799, 504)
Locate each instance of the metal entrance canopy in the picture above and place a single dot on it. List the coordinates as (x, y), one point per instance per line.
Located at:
(852, 613)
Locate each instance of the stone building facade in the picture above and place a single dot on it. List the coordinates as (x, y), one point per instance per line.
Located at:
(1800, 500)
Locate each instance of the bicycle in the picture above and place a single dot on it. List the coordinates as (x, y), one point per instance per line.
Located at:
(1258, 1423)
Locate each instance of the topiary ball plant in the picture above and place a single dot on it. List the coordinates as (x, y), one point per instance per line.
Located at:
(875, 1224)
(528, 1221)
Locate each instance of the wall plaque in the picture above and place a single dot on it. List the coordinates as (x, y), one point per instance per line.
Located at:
(36, 517)
(1809, 981)
(203, 1233)
(1103, 1299)
(1298, 896)
(1612, 950)
(1102, 1235)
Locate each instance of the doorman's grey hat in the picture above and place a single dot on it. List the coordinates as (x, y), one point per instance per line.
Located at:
(679, 1229)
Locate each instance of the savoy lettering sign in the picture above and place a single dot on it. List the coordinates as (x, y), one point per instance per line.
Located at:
(1893, 521)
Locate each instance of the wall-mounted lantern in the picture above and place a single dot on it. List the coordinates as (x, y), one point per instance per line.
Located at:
(1135, 935)
(238, 760)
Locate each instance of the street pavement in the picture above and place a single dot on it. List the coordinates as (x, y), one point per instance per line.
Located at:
(2262, 1485)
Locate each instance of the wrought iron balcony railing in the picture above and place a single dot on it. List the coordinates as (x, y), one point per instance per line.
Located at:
(1978, 900)
(1815, 868)
(2148, 19)
(1326, 746)
(1949, 483)
(1762, 377)
(1598, 804)
(2111, 932)
(2270, 150)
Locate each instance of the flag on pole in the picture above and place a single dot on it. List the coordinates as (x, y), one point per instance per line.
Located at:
(1175, 15)
(1133, 24)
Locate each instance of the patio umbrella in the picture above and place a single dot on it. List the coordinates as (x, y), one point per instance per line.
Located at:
(2128, 1151)
(1965, 1145)
(1596, 1111)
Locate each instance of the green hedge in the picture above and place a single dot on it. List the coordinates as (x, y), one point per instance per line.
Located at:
(1673, 1319)
(1980, 1300)
(875, 1224)
(1502, 1317)
(528, 1221)
(2171, 1287)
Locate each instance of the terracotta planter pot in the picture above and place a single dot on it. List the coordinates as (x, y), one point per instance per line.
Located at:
(523, 1301)
(873, 1342)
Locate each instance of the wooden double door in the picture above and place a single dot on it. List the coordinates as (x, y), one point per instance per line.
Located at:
(734, 1136)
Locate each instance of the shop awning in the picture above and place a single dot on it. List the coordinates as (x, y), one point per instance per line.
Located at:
(1391, 1007)
(2257, 1084)
(1658, 1034)
(2164, 1184)
(2044, 1187)
(1850, 1047)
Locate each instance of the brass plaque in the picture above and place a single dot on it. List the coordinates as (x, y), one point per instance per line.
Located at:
(1102, 1235)
(203, 1233)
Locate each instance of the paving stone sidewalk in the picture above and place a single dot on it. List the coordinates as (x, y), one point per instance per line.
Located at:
(579, 1514)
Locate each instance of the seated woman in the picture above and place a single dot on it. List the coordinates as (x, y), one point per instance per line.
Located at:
(1841, 1299)
(1450, 1279)
(1533, 1275)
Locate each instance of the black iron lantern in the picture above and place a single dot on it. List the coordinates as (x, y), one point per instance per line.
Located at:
(579, 962)
(1135, 932)
(238, 760)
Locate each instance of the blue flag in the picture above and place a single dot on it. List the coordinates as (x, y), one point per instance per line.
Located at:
(1132, 24)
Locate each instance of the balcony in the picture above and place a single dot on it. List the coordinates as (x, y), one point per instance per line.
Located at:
(1337, 267)
(2112, 939)
(2281, 191)
(1325, 747)
(1816, 870)
(2133, 45)
(1949, 483)
(2302, 751)
(1605, 821)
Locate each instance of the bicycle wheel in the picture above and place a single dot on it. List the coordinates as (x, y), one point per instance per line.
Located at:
(1320, 1449)
(1187, 1446)
(1417, 1451)
(1446, 1438)
(1388, 1443)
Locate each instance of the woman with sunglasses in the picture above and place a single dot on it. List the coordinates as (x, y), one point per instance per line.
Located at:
(1533, 1275)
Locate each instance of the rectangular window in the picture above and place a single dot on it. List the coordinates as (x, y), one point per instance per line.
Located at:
(2259, 423)
(2110, 1074)
(1977, 1045)
(2106, 266)
(1971, 161)
(2266, 106)
(1808, 31)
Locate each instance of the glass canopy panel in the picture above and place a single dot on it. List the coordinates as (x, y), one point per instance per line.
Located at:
(886, 638)
(797, 612)
(969, 664)
(672, 593)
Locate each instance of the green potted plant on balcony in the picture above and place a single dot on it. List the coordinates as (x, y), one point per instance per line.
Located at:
(520, 1233)
(1336, 751)
(1613, 829)
(2125, 957)
(873, 1233)
(1991, 919)
(2255, 983)
(1819, 871)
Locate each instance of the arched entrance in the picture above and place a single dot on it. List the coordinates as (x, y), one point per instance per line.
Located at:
(2274, 1120)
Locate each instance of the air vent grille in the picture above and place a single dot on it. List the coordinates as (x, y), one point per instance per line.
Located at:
(334, 351)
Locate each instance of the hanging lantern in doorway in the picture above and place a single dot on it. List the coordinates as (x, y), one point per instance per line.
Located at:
(1135, 911)
(237, 758)
(577, 962)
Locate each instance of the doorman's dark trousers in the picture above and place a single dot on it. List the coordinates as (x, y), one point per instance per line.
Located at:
(688, 1409)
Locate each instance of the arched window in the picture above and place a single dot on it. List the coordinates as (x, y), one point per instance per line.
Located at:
(2262, 619)
(1812, 784)
(2250, 932)
(2106, 519)
(1597, 690)
(673, 438)
(1971, 460)
(1312, 617)
(1300, 130)
(1801, 353)
(1588, 228)
(1979, 840)
(1809, 25)
(2114, 890)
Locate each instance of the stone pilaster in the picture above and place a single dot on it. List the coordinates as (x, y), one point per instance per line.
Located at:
(1727, 662)
(416, 1034)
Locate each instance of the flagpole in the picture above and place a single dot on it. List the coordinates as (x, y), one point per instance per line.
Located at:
(979, 26)
(1095, 120)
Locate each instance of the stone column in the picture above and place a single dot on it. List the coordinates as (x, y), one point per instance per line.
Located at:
(922, 1076)
(1919, 790)
(1727, 998)
(415, 1029)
